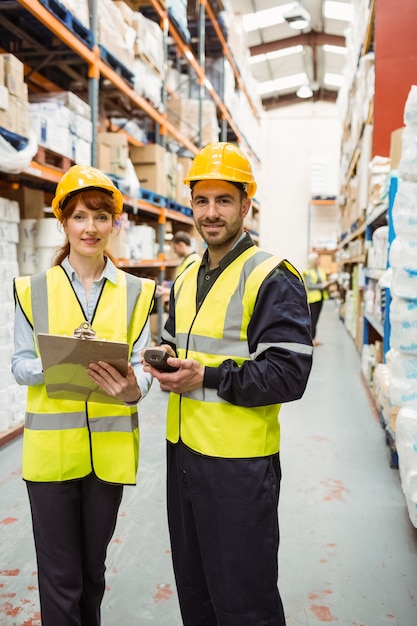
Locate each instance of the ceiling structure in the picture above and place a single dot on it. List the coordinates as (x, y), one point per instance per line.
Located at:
(283, 59)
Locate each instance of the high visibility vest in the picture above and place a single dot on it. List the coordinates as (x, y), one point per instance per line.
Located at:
(186, 262)
(316, 276)
(66, 439)
(218, 331)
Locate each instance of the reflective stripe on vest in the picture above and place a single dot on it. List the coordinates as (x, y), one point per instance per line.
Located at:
(218, 331)
(66, 439)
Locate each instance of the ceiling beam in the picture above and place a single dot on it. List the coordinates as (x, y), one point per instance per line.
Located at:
(313, 39)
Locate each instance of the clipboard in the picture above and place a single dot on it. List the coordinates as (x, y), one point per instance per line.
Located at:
(65, 360)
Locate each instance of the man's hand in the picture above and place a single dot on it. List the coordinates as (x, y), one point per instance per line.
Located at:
(188, 377)
(114, 384)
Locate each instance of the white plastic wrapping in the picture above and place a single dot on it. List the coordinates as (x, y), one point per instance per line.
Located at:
(403, 317)
(407, 167)
(410, 109)
(406, 443)
(15, 161)
(404, 210)
(403, 389)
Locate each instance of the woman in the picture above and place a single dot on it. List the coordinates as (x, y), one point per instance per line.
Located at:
(78, 455)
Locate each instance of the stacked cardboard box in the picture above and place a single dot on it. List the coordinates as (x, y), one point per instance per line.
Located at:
(150, 165)
(113, 153)
(12, 396)
(184, 114)
(14, 115)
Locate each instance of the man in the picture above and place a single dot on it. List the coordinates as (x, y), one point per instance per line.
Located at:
(181, 242)
(240, 327)
(316, 284)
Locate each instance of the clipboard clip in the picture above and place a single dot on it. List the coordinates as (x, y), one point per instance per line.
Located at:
(85, 331)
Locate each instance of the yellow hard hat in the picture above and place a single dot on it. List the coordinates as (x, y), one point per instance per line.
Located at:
(83, 178)
(222, 161)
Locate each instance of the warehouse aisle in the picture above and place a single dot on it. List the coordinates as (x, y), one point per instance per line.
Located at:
(348, 551)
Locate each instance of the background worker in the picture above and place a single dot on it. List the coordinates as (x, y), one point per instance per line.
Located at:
(181, 243)
(316, 284)
(240, 327)
(78, 455)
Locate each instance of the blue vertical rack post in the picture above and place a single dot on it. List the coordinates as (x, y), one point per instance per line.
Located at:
(391, 235)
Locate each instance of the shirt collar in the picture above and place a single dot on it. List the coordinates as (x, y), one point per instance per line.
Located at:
(245, 241)
(109, 272)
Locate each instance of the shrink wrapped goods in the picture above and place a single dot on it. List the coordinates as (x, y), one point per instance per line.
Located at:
(406, 440)
(403, 317)
(403, 388)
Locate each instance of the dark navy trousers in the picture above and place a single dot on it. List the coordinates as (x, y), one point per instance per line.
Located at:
(73, 523)
(223, 523)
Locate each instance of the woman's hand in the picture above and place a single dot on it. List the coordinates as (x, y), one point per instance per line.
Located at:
(114, 384)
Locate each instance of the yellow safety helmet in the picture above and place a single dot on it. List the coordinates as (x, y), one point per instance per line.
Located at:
(82, 178)
(222, 161)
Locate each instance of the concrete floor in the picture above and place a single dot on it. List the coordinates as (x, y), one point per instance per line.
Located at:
(348, 550)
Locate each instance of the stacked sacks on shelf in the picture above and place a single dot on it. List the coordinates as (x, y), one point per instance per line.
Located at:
(39, 240)
(12, 396)
(403, 309)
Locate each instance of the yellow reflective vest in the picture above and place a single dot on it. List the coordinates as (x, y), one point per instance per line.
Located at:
(315, 276)
(186, 262)
(66, 439)
(218, 331)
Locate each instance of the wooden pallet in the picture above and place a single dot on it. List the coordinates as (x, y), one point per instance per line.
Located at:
(53, 159)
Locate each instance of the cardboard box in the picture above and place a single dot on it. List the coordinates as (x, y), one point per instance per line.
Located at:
(396, 147)
(148, 154)
(14, 75)
(2, 73)
(8, 117)
(22, 117)
(104, 157)
(119, 152)
(152, 177)
(184, 115)
(31, 201)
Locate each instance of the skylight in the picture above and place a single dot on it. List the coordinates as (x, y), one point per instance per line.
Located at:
(265, 18)
(334, 80)
(333, 10)
(338, 10)
(334, 49)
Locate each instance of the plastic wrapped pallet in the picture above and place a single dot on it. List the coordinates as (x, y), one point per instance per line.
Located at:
(403, 388)
(403, 318)
(114, 34)
(406, 442)
(147, 82)
(184, 115)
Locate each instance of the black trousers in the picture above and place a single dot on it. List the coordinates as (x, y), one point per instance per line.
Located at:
(73, 523)
(223, 524)
(315, 310)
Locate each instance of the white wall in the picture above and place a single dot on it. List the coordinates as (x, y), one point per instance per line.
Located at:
(292, 136)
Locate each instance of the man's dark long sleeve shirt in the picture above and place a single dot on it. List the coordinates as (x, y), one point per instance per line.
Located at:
(278, 334)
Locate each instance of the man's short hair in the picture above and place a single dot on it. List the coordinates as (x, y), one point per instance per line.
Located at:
(241, 186)
(182, 237)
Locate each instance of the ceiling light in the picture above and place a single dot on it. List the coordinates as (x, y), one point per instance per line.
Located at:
(298, 18)
(304, 91)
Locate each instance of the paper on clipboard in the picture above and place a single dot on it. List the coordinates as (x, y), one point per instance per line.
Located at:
(65, 360)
